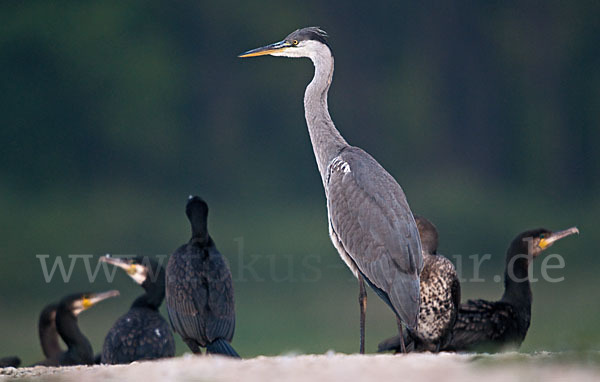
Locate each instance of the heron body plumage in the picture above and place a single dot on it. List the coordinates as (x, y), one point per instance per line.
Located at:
(370, 227)
(370, 222)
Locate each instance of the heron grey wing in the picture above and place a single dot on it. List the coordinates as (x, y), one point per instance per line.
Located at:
(371, 218)
(220, 322)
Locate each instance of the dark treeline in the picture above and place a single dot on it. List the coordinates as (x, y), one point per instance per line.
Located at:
(113, 112)
(114, 91)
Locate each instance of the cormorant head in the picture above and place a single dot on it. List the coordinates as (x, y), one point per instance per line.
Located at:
(197, 213)
(142, 269)
(48, 315)
(305, 42)
(78, 302)
(535, 241)
(196, 207)
(429, 235)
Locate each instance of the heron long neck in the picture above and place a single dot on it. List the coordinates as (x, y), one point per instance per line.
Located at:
(327, 142)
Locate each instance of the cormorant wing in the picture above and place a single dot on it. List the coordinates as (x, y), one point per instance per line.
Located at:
(221, 309)
(369, 215)
(185, 293)
(138, 335)
(200, 303)
(480, 322)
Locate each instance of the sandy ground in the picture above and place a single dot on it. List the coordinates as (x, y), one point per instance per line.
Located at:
(330, 367)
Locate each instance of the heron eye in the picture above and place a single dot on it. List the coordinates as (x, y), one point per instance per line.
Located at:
(294, 42)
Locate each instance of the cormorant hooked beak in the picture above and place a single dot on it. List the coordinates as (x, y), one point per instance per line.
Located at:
(137, 272)
(278, 47)
(555, 236)
(92, 299)
(118, 262)
(95, 298)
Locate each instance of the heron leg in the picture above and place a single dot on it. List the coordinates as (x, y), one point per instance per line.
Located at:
(362, 301)
(401, 332)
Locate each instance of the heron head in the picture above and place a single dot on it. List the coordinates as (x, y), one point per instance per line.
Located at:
(305, 42)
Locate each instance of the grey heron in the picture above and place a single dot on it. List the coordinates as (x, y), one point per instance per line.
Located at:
(496, 325)
(440, 297)
(199, 291)
(370, 222)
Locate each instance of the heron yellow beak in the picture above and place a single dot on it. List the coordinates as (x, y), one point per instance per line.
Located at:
(262, 51)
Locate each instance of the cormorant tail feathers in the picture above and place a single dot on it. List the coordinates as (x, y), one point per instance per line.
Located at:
(221, 346)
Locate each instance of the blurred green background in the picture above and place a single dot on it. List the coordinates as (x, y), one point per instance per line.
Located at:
(111, 113)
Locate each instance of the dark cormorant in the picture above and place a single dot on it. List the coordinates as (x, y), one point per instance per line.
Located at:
(440, 297)
(79, 348)
(49, 338)
(199, 289)
(494, 325)
(12, 361)
(48, 333)
(142, 333)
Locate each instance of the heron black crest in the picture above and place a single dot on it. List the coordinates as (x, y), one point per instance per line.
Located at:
(308, 33)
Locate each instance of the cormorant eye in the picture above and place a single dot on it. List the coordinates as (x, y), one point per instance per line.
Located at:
(294, 42)
(542, 236)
